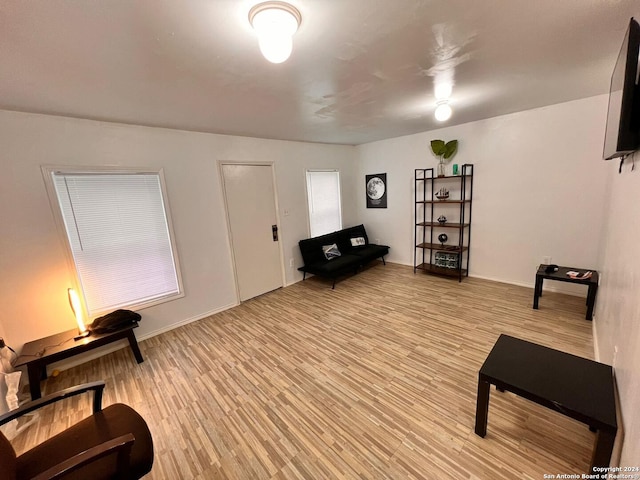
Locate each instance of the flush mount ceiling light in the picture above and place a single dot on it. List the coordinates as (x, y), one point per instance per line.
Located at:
(275, 23)
(443, 111)
(443, 90)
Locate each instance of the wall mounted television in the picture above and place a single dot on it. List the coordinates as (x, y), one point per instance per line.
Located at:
(622, 135)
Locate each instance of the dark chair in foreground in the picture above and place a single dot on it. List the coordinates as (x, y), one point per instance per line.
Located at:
(114, 443)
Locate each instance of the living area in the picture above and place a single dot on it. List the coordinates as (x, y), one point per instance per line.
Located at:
(376, 378)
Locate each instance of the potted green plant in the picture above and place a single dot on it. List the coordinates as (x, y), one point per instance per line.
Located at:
(444, 152)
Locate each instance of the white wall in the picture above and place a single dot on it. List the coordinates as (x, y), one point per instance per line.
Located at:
(538, 188)
(541, 188)
(617, 315)
(35, 274)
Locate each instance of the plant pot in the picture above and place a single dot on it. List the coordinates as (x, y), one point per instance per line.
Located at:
(441, 170)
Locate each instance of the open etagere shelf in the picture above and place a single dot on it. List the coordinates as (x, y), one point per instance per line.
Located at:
(450, 258)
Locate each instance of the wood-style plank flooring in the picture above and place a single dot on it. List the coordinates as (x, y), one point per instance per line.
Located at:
(375, 379)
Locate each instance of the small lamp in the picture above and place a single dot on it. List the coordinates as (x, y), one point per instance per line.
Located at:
(76, 308)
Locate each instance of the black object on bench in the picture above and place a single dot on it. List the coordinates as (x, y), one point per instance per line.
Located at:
(351, 256)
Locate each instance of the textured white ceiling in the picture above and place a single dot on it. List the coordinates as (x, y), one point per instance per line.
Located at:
(361, 70)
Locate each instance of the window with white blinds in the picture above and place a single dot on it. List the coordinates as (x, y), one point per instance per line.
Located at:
(323, 196)
(119, 236)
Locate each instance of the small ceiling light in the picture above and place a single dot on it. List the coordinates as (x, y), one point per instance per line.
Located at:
(275, 23)
(443, 111)
(443, 90)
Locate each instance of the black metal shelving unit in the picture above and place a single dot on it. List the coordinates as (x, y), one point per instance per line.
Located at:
(449, 259)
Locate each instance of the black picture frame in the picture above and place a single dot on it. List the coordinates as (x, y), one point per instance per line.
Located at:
(376, 190)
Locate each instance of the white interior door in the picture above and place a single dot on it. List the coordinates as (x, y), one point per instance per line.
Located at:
(251, 210)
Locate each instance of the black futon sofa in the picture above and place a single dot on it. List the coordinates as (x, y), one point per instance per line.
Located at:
(353, 251)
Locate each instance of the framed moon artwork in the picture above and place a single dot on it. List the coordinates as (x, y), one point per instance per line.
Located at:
(376, 190)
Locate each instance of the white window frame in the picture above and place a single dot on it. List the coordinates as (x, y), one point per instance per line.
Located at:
(307, 184)
(49, 170)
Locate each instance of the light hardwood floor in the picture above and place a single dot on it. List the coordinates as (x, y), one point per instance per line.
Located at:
(375, 379)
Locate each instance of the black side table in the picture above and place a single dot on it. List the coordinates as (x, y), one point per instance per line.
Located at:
(561, 276)
(576, 387)
(36, 355)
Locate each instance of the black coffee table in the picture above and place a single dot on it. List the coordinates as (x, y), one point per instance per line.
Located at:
(36, 355)
(561, 276)
(576, 387)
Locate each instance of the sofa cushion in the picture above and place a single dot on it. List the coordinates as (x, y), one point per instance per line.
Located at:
(345, 236)
(334, 267)
(371, 251)
(356, 231)
(311, 248)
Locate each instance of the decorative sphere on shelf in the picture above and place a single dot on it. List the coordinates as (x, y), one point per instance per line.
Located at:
(443, 238)
(442, 219)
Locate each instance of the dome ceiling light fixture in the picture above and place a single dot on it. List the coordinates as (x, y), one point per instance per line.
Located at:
(443, 111)
(442, 90)
(275, 24)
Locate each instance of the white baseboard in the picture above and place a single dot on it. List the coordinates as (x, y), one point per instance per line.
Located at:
(124, 343)
(105, 350)
(555, 287)
(187, 321)
(500, 280)
(294, 282)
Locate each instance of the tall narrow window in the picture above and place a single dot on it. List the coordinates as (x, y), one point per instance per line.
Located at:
(323, 195)
(119, 237)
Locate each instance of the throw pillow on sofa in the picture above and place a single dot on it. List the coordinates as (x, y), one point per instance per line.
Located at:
(358, 242)
(331, 251)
